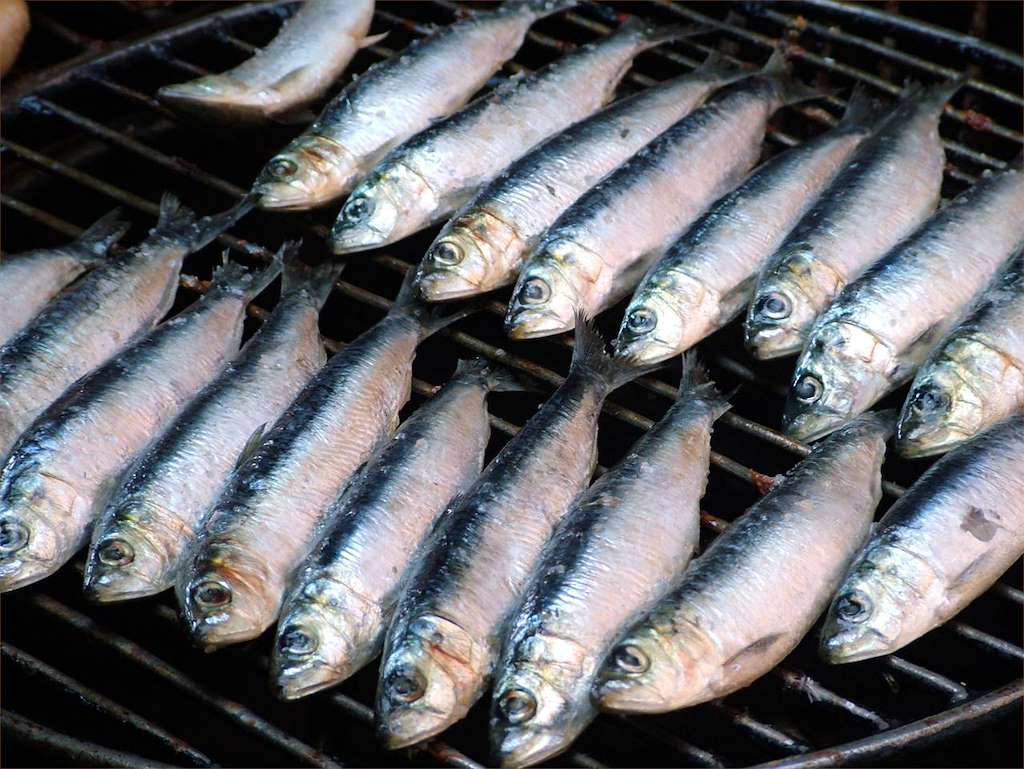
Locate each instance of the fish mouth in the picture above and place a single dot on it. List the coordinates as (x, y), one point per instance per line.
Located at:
(526, 747)
(352, 239)
(645, 350)
(442, 286)
(808, 427)
(282, 196)
(622, 696)
(769, 341)
(112, 587)
(16, 573)
(408, 726)
(532, 324)
(301, 681)
(844, 647)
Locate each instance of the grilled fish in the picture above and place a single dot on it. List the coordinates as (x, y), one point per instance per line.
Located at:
(746, 602)
(706, 278)
(440, 169)
(883, 325)
(890, 186)
(943, 543)
(975, 378)
(615, 553)
(109, 308)
(309, 53)
(233, 576)
(32, 279)
(341, 600)
(141, 535)
(600, 246)
(59, 473)
(393, 100)
(482, 247)
(445, 636)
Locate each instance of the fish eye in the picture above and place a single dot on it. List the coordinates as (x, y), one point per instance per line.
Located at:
(282, 167)
(406, 685)
(357, 208)
(447, 252)
(808, 388)
(641, 320)
(930, 399)
(13, 535)
(296, 642)
(535, 291)
(631, 659)
(854, 606)
(774, 305)
(116, 552)
(517, 706)
(210, 594)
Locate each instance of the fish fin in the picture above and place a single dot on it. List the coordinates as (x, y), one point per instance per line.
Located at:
(316, 280)
(232, 277)
(651, 35)
(174, 220)
(373, 39)
(793, 89)
(862, 110)
(537, 8)
(717, 65)
(935, 94)
(431, 317)
(288, 78)
(498, 378)
(749, 660)
(252, 443)
(208, 228)
(695, 383)
(104, 232)
(589, 354)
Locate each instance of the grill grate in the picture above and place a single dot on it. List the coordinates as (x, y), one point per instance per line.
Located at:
(119, 685)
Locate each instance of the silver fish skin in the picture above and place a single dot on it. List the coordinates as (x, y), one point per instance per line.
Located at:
(748, 600)
(448, 626)
(393, 100)
(890, 187)
(431, 175)
(706, 278)
(108, 309)
(58, 475)
(139, 539)
(30, 280)
(602, 244)
(883, 325)
(342, 598)
(617, 551)
(483, 246)
(310, 52)
(975, 378)
(943, 543)
(268, 516)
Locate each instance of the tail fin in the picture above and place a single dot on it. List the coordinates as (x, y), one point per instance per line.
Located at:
(932, 96)
(175, 220)
(696, 384)
(104, 232)
(431, 317)
(538, 9)
(316, 281)
(209, 227)
(792, 90)
(717, 66)
(589, 355)
(649, 35)
(498, 378)
(232, 277)
(862, 110)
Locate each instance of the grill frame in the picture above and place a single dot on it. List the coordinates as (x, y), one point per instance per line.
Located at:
(43, 97)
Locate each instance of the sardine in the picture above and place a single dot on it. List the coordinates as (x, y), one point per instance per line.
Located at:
(750, 598)
(393, 100)
(267, 518)
(943, 543)
(342, 598)
(890, 186)
(59, 473)
(975, 378)
(108, 309)
(446, 634)
(883, 325)
(309, 53)
(618, 550)
(482, 247)
(601, 245)
(139, 539)
(440, 169)
(30, 280)
(706, 278)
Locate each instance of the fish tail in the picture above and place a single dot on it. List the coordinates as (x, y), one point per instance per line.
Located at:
(934, 95)
(175, 220)
(883, 419)
(862, 110)
(649, 35)
(695, 384)
(232, 277)
(538, 9)
(498, 378)
(589, 355)
(317, 281)
(791, 88)
(716, 65)
(209, 228)
(431, 317)
(105, 232)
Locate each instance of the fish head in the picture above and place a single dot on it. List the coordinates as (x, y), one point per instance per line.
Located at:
(546, 296)
(668, 314)
(226, 597)
(468, 258)
(36, 533)
(388, 205)
(125, 563)
(842, 372)
(309, 172)
(324, 635)
(432, 673)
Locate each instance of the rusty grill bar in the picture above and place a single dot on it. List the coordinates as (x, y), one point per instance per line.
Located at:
(70, 146)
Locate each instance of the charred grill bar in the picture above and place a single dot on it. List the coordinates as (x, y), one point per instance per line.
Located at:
(80, 137)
